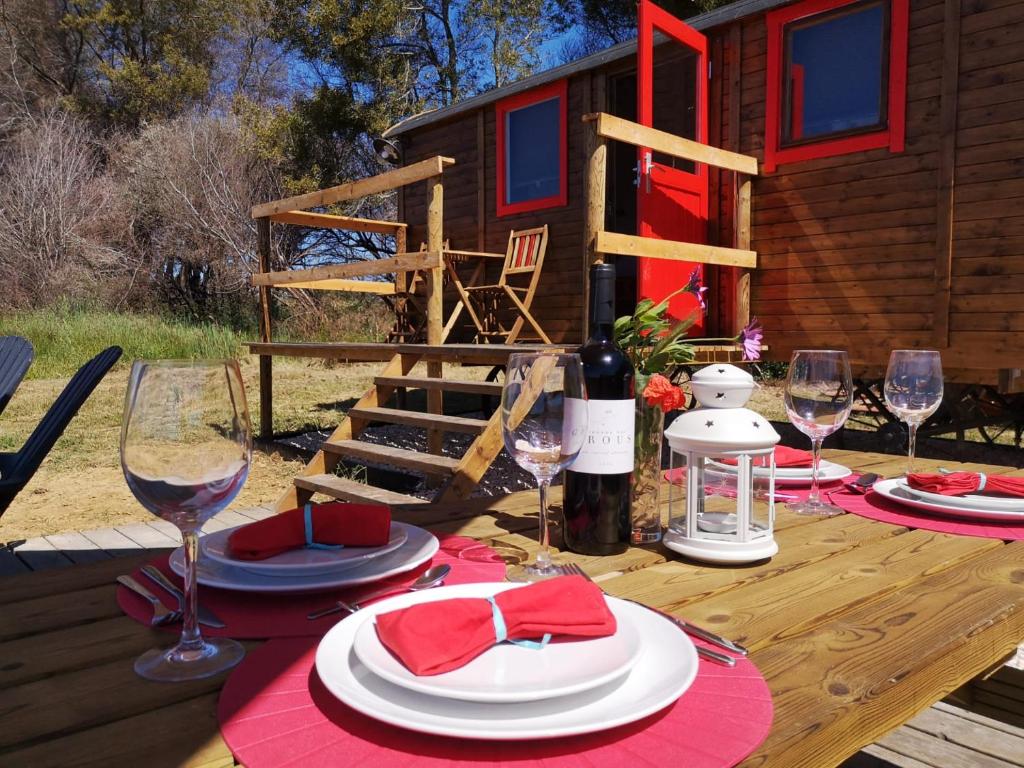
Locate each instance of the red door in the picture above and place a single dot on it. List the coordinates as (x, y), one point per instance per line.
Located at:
(672, 194)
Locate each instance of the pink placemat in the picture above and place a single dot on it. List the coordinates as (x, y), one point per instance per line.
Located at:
(257, 615)
(877, 507)
(275, 712)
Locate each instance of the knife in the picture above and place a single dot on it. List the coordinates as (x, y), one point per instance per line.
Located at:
(692, 629)
(203, 615)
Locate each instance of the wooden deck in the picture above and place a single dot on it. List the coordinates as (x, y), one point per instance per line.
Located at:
(943, 736)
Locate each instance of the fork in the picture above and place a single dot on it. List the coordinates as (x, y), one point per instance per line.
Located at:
(572, 569)
(161, 613)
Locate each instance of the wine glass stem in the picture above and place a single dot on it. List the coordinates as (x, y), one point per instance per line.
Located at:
(544, 540)
(816, 453)
(911, 443)
(190, 637)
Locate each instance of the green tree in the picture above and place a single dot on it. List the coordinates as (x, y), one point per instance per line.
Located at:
(606, 22)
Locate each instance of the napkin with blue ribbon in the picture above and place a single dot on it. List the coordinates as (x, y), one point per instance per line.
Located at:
(963, 483)
(436, 637)
(313, 526)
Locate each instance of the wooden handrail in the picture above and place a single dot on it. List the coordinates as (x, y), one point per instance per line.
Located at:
(400, 263)
(617, 129)
(329, 221)
(349, 286)
(424, 169)
(673, 250)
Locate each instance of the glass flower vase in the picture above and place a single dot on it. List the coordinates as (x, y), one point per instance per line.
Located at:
(646, 488)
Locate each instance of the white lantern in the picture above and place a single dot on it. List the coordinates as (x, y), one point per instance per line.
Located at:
(722, 494)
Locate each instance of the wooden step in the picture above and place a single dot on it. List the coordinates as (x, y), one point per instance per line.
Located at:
(418, 419)
(447, 385)
(351, 490)
(386, 454)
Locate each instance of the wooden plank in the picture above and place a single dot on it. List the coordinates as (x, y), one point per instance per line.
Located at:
(39, 554)
(979, 735)
(10, 565)
(400, 262)
(331, 221)
(648, 247)
(263, 248)
(594, 196)
(428, 463)
(354, 189)
(937, 752)
(469, 354)
(351, 286)
(112, 541)
(435, 304)
(491, 388)
(476, 460)
(77, 547)
(147, 537)
(618, 129)
(481, 183)
(351, 490)
(946, 175)
(422, 420)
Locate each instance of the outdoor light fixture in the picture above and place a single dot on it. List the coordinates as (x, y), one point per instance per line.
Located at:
(723, 462)
(387, 151)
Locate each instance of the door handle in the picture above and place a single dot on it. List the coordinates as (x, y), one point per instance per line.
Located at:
(643, 170)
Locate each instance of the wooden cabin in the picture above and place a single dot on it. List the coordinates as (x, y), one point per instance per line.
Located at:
(887, 205)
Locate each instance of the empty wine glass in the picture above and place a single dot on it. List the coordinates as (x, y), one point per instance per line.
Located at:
(819, 396)
(544, 423)
(185, 452)
(913, 390)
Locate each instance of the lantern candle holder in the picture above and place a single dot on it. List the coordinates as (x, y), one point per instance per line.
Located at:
(722, 472)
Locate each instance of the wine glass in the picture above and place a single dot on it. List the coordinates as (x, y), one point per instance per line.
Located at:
(544, 423)
(913, 390)
(819, 396)
(185, 451)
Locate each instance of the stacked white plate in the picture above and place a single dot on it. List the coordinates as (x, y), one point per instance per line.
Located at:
(309, 570)
(828, 472)
(511, 692)
(975, 506)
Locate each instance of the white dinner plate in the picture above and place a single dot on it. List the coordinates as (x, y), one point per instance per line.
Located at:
(897, 490)
(419, 547)
(970, 501)
(508, 673)
(828, 472)
(302, 561)
(666, 668)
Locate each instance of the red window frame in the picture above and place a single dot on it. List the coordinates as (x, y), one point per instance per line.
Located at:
(892, 136)
(559, 90)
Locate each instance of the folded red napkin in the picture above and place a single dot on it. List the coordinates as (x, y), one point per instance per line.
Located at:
(962, 483)
(785, 457)
(351, 525)
(431, 638)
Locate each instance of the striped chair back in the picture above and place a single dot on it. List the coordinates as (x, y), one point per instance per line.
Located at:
(526, 248)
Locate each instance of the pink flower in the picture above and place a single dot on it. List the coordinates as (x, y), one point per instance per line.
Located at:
(750, 339)
(663, 393)
(693, 286)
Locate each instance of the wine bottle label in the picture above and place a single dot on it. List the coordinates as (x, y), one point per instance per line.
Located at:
(608, 447)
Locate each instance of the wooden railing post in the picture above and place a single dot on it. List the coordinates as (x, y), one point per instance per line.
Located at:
(742, 194)
(266, 333)
(596, 148)
(435, 301)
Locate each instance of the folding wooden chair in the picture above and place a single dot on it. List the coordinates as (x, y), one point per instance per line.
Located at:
(501, 311)
(410, 305)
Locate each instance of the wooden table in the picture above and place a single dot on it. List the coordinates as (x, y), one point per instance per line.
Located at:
(857, 626)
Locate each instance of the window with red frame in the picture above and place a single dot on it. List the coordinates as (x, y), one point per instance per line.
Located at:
(532, 150)
(836, 79)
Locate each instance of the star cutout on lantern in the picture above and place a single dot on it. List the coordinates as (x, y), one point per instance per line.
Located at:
(756, 425)
(721, 370)
(709, 424)
(719, 395)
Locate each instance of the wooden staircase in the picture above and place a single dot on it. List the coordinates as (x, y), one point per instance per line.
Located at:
(455, 478)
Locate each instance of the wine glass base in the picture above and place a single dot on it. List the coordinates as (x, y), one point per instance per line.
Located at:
(172, 665)
(532, 573)
(815, 508)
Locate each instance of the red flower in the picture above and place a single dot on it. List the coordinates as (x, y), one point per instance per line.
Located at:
(663, 393)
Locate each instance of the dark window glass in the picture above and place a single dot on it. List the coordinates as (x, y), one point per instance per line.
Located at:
(532, 146)
(835, 73)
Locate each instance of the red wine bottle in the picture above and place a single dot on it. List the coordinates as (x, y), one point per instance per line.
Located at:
(596, 499)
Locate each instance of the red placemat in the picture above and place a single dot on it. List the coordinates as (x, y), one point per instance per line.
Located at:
(253, 614)
(275, 712)
(877, 507)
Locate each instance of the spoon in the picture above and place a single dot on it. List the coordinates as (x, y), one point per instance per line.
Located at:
(433, 577)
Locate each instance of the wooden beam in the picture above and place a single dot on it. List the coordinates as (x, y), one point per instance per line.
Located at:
(263, 248)
(735, 84)
(398, 263)
(435, 303)
(481, 182)
(329, 221)
(617, 129)
(741, 222)
(648, 247)
(594, 193)
(351, 190)
(945, 203)
(352, 286)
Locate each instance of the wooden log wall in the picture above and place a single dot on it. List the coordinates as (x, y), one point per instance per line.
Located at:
(851, 248)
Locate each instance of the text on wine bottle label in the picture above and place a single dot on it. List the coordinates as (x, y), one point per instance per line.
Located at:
(608, 447)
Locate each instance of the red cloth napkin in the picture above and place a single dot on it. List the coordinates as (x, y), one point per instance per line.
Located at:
(962, 483)
(785, 457)
(431, 638)
(353, 525)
